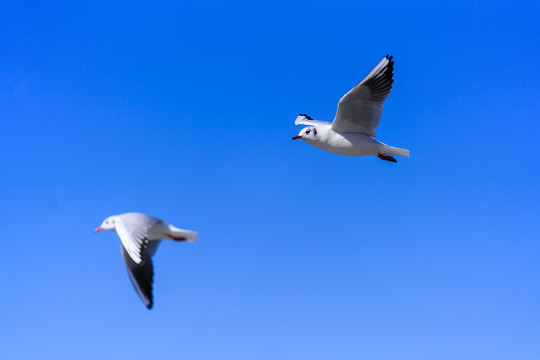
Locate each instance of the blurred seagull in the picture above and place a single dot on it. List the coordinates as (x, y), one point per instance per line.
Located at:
(358, 114)
(140, 235)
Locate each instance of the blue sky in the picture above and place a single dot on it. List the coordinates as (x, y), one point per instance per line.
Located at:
(186, 111)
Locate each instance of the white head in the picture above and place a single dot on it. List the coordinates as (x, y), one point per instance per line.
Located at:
(107, 224)
(307, 134)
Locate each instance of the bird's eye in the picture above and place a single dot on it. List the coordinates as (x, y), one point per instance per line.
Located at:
(307, 132)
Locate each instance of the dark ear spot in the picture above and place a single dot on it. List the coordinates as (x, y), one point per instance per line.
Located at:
(314, 131)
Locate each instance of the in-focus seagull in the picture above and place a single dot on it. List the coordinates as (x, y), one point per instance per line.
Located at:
(140, 235)
(358, 114)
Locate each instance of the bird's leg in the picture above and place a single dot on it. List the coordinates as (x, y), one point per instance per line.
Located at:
(386, 157)
(177, 238)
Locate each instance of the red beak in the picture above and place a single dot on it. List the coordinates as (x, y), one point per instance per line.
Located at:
(296, 137)
(98, 229)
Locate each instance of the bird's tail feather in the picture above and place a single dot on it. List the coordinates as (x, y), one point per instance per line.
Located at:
(190, 236)
(397, 151)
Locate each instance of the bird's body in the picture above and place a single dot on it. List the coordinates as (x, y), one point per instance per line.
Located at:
(140, 236)
(352, 132)
(161, 230)
(350, 144)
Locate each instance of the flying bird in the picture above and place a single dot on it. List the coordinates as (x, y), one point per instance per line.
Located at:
(358, 114)
(140, 235)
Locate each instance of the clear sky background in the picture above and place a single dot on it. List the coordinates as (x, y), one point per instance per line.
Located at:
(186, 111)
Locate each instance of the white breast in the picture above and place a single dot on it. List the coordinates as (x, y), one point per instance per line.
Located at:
(350, 144)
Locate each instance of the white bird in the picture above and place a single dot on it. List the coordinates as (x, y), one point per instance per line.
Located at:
(358, 114)
(140, 235)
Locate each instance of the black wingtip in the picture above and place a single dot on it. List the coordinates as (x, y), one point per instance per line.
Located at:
(149, 306)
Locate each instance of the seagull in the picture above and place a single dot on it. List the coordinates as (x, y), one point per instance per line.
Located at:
(358, 114)
(140, 235)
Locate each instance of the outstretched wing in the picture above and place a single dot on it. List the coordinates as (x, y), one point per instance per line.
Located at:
(304, 119)
(360, 110)
(142, 275)
(132, 228)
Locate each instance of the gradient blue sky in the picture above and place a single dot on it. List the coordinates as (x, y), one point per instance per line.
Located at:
(186, 111)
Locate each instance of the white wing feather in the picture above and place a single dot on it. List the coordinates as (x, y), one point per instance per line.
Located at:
(306, 120)
(360, 110)
(132, 228)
